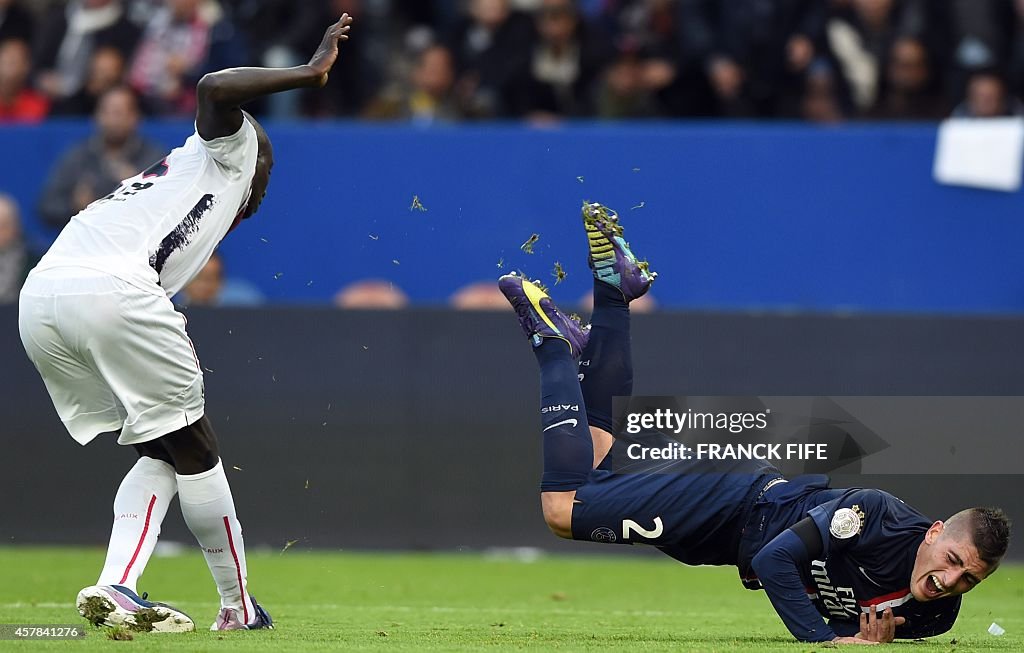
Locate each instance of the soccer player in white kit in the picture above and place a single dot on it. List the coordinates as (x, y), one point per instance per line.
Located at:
(97, 321)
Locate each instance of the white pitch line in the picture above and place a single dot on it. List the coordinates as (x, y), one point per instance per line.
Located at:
(395, 608)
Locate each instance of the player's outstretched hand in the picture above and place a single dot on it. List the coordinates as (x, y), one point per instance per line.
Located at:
(325, 56)
(875, 629)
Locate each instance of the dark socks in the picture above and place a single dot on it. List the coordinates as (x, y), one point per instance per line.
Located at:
(568, 448)
(607, 362)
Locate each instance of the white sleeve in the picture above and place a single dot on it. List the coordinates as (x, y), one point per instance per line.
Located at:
(236, 154)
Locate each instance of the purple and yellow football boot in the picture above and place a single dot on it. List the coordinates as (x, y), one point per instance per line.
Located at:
(538, 315)
(610, 257)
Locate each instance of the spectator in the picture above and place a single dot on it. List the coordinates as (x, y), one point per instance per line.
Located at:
(559, 77)
(71, 33)
(426, 97)
(490, 43)
(371, 294)
(820, 59)
(644, 78)
(988, 97)
(18, 102)
(911, 90)
(821, 102)
(623, 92)
(211, 287)
(94, 167)
(755, 53)
(859, 36)
(479, 296)
(15, 259)
(183, 41)
(979, 38)
(16, 22)
(106, 70)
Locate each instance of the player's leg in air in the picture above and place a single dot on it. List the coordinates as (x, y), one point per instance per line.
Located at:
(576, 418)
(606, 364)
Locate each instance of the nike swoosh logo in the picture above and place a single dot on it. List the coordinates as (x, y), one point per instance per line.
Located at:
(564, 421)
(868, 577)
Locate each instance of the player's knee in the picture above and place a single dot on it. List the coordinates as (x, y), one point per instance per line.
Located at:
(557, 507)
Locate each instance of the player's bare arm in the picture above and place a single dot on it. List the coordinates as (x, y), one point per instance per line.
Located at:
(221, 94)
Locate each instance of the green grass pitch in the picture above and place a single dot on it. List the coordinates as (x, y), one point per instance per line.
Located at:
(455, 602)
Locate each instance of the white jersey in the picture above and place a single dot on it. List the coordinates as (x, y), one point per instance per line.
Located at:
(160, 227)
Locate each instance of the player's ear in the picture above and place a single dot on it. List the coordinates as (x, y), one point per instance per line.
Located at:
(934, 531)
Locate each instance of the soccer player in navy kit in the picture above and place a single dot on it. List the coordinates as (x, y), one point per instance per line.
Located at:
(863, 560)
(96, 319)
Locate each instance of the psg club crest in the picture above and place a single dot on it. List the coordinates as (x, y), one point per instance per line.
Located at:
(847, 522)
(603, 535)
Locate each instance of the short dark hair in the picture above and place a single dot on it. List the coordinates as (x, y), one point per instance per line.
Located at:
(991, 533)
(988, 529)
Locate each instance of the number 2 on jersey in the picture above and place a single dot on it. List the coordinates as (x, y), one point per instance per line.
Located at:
(158, 169)
(630, 525)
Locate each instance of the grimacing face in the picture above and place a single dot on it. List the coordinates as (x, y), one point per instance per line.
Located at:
(947, 564)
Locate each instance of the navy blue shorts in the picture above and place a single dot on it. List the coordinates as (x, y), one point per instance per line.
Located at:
(694, 516)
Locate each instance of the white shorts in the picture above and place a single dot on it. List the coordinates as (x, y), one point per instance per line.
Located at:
(113, 357)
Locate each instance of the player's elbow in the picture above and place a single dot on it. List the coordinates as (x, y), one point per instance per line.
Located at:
(557, 507)
(558, 527)
(210, 89)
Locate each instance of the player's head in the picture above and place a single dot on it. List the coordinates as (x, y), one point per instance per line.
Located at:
(959, 553)
(264, 162)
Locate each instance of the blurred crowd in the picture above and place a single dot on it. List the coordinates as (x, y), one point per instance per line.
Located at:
(540, 60)
(432, 61)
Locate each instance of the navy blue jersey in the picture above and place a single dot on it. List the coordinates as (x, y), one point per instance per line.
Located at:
(742, 513)
(867, 541)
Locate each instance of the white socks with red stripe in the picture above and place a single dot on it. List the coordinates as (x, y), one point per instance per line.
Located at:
(209, 512)
(140, 505)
